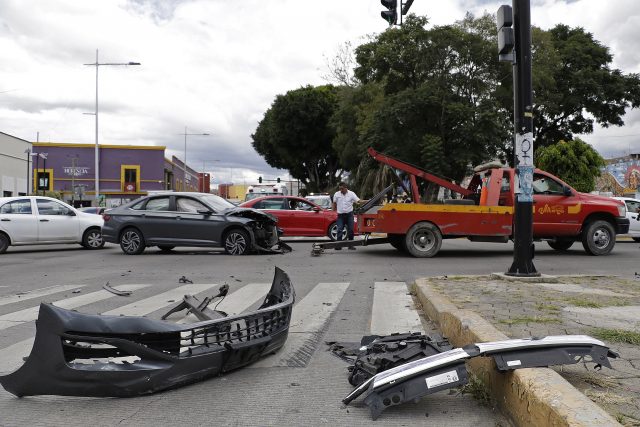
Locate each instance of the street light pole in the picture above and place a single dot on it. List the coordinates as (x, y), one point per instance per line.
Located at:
(184, 163)
(97, 64)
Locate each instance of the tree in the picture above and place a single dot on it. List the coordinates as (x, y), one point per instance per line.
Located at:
(574, 85)
(575, 162)
(295, 134)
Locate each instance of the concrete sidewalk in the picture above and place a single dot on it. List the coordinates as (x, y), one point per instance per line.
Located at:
(485, 308)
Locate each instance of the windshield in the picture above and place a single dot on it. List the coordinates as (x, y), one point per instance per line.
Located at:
(217, 203)
(324, 202)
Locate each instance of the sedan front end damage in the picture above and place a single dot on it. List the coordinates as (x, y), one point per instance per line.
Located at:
(78, 354)
(410, 381)
(263, 229)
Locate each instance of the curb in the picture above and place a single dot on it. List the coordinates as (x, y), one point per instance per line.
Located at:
(529, 397)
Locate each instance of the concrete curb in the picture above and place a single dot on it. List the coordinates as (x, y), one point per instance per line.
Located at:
(530, 397)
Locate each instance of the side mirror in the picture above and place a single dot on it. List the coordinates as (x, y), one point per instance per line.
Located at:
(71, 213)
(316, 209)
(567, 191)
(205, 212)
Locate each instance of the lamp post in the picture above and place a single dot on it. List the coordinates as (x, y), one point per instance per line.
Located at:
(29, 153)
(97, 64)
(44, 170)
(184, 163)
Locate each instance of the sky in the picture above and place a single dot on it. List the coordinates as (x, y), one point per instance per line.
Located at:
(215, 66)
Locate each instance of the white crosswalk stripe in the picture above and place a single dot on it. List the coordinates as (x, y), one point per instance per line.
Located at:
(38, 293)
(393, 310)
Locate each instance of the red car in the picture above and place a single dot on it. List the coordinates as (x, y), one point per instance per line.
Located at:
(298, 216)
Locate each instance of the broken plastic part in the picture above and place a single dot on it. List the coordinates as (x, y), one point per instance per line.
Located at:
(78, 354)
(418, 378)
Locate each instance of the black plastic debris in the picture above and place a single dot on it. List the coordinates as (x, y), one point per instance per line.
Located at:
(115, 291)
(77, 354)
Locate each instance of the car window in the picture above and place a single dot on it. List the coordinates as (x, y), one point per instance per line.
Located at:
(158, 204)
(273, 204)
(22, 206)
(545, 185)
(51, 207)
(300, 205)
(632, 206)
(217, 203)
(137, 206)
(186, 204)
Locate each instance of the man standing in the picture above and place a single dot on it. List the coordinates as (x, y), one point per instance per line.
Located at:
(343, 202)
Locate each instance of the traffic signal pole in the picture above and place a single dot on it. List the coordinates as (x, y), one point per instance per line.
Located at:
(523, 251)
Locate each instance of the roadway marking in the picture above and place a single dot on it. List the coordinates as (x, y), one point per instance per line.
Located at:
(37, 293)
(31, 313)
(393, 309)
(308, 320)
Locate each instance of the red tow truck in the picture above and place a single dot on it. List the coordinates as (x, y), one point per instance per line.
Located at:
(485, 211)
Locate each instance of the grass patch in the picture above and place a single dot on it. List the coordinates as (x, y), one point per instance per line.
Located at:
(547, 307)
(529, 319)
(582, 302)
(617, 335)
(476, 388)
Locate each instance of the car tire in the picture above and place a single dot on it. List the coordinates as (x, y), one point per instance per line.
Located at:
(598, 238)
(636, 239)
(560, 244)
(166, 248)
(92, 239)
(4, 243)
(132, 241)
(237, 242)
(397, 241)
(423, 240)
(332, 232)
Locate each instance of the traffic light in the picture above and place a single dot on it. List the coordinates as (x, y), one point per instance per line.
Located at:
(278, 180)
(506, 38)
(390, 15)
(260, 179)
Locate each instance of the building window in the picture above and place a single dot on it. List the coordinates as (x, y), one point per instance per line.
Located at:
(130, 178)
(44, 181)
(7, 194)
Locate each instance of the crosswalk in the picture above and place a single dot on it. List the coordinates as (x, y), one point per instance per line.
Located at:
(392, 310)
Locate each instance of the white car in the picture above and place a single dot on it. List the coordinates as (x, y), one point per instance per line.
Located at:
(39, 220)
(633, 210)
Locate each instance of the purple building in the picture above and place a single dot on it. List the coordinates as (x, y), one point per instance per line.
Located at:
(126, 172)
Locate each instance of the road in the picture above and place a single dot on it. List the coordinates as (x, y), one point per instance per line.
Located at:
(341, 295)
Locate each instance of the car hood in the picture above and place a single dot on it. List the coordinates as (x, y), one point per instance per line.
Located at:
(600, 200)
(250, 213)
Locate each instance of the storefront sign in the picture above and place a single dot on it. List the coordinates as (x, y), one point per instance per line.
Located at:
(76, 171)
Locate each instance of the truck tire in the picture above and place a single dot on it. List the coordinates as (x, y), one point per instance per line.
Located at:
(561, 244)
(423, 240)
(397, 241)
(598, 238)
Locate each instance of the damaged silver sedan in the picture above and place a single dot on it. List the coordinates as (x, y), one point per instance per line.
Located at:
(190, 219)
(78, 354)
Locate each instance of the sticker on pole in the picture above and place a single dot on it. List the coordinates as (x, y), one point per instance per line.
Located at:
(442, 379)
(524, 149)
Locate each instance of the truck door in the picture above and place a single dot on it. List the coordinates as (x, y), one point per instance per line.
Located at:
(555, 213)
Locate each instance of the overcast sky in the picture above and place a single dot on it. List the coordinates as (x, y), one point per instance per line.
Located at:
(215, 66)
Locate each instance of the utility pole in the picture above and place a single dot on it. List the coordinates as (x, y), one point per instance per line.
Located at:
(515, 45)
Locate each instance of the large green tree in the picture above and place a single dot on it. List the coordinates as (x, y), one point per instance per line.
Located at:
(295, 134)
(575, 162)
(575, 86)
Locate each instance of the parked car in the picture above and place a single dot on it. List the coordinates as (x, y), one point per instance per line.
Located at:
(97, 210)
(298, 216)
(39, 220)
(633, 210)
(322, 200)
(188, 219)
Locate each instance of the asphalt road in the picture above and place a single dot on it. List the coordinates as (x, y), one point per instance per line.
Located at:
(278, 392)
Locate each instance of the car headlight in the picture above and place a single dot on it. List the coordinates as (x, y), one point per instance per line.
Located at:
(622, 210)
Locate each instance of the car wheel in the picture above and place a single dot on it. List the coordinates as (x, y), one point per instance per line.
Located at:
(423, 240)
(636, 239)
(397, 241)
(560, 244)
(132, 241)
(92, 239)
(598, 238)
(333, 232)
(165, 248)
(236, 242)
(4, 243)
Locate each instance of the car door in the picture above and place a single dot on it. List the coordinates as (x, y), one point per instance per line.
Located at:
(156, 219)
(191, 226)
(57, 222)
(633, 206)
(552, 208)
(278, 208)
(19, 222)
(307, 219)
